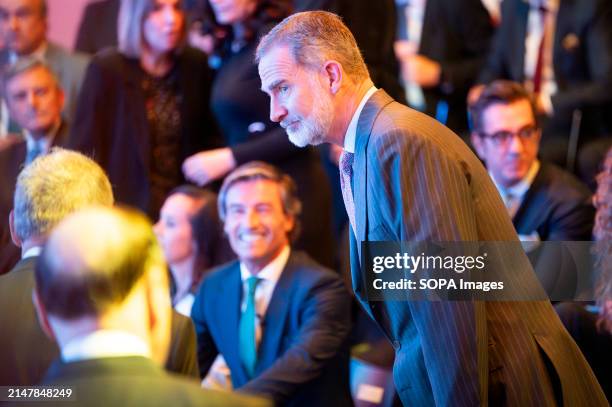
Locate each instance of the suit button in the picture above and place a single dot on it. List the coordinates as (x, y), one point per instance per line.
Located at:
(397, 345)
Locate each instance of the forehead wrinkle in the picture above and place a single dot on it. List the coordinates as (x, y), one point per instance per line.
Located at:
(276, 68)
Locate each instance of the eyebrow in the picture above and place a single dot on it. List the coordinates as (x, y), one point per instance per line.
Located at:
(273, 85)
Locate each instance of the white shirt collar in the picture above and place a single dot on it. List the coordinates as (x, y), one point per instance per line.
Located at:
(351, 131)
(272, 271)
(32, 252)
(104, 344)
(520, 189)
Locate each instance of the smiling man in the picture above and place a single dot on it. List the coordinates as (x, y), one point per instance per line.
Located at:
(544, 201)
(279, 319)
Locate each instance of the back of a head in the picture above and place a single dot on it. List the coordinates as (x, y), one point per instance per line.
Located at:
(54, 186)
(314, 37)
(92, 261)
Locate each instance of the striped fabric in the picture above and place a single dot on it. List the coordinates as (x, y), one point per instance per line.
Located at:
(415, 180)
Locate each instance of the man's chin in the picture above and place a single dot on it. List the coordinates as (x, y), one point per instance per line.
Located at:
(302, 140)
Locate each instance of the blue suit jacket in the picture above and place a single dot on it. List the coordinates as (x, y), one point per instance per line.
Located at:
(557, 206)
(303, 354)
(417, 181)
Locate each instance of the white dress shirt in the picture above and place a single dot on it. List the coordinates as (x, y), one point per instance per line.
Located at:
(351, 131)
(219, 375)
(104, 344)
(268, 276)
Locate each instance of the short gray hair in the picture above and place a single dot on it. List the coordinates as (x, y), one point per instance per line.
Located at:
(132, 14)
(22, 66)
(313, 37)
(52, 187)
(258, 170)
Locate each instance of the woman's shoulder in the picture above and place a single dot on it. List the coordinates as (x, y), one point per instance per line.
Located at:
(113, 62)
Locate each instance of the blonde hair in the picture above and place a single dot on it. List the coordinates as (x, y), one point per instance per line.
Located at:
(54, 186)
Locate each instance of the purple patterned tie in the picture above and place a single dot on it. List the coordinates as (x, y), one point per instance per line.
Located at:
(346, 173)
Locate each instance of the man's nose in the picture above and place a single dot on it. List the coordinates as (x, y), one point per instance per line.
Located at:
(13, 22)
(252, 218)
(32, 99)
(277, 111)
(515, 144)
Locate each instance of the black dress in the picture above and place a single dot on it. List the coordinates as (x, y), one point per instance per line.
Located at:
(140, 129)
(242, 113)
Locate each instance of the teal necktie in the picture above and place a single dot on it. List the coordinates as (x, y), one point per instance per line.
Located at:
(248, 346)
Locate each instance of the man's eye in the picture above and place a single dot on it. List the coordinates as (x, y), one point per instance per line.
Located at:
(283, 89)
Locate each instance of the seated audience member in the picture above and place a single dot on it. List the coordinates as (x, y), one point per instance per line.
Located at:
(102, 293)
(23, 30)
(441, 46)
(544, 201)
(47, 190)
(144, 107)
(241, 109)
(189, 232)
(35, 101)
(560, 50)
(591, 326)
(279, 319)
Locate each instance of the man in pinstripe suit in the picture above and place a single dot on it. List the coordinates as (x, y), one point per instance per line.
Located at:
(408, 178)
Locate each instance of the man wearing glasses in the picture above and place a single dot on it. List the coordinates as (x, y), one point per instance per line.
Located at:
(544, 201)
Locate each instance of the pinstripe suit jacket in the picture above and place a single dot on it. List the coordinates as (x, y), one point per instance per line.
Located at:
(417, 181)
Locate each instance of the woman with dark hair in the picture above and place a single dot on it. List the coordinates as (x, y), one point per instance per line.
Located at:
(191, 236)
(143, 107)
(241, 109)
(591, 326)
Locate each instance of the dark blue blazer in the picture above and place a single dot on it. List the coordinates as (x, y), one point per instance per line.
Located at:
(303, 354)
(557, 206)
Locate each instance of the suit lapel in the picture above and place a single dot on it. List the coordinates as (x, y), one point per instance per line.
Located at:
(370, 111)
(364, 128)
(228, 314)
(61, 137)
(275, 318)
(529, 215)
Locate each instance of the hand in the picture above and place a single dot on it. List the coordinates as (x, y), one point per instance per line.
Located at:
(208, 166)
(420, 70)
(474, 94)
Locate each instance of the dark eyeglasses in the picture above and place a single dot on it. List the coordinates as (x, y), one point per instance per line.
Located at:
(502, 138)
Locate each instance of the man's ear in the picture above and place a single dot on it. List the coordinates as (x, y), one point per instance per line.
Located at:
(334, 75)
(41, 312)
(16, 240)
(159, 310)
(62, 98)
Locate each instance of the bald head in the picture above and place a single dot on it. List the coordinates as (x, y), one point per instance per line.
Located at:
(92, 261)
(101, 269)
